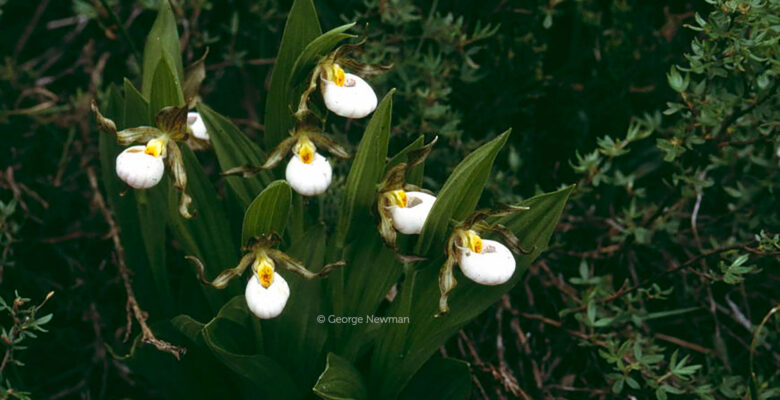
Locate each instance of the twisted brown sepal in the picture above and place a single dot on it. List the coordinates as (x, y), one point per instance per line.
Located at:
(447, 284)
(303, 113)
(224, 277)
(479, 217)
(419, 155)
(277, 155)
(394, 178)
(340, 56)
(176, 164)
(104, 124)
(386, 229)
(244, 171)
(328, 144)
(125, 137)
(478, 220)
(194, 75)
(293, 265)
(173, 121)
(508, 238)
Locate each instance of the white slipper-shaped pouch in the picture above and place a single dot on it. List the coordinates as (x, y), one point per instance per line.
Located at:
(267, 302)
(353, 99)
(139, 169)
(492, 264)
(409, 214)
(309, 179)
(309, 173)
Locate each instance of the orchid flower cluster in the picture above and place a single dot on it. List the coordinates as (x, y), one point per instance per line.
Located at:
(401, 207)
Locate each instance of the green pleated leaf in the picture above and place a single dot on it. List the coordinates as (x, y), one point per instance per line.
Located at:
(296, 335)
(207, 235)
(198, 375)
(440, 378)
(152, 205)
(234, 149)
(136, 111)
(301, 28)
(367, 169)
(372, 271)
(189, 327)
(459, 195)
(166, 90)
(162, 43)
(311, 55)
(400, 358)
(231, 337)
(340, 381)
(268, 212)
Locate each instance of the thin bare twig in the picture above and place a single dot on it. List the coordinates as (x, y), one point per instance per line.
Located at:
(147, 336)
(683, 343)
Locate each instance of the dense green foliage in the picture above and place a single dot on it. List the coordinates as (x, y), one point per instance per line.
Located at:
(663, 266)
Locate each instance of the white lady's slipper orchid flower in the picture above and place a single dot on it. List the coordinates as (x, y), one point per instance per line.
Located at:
(142, 167)
(196, 125)
(486, 262)
(266, 292)
(409, 210)
(346, 95)
(309, 173)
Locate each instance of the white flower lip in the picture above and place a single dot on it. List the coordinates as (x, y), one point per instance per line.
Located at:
(356, 99)
(268, 302)
(410, 219)
(139, 169)
(198, 128)
(309, 179)
(493, 266)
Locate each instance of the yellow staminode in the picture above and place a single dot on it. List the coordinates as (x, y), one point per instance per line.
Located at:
(399, 198)
(306, 150)
(337, 75)
(265, 271)
(475, 242)
(155, 147)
